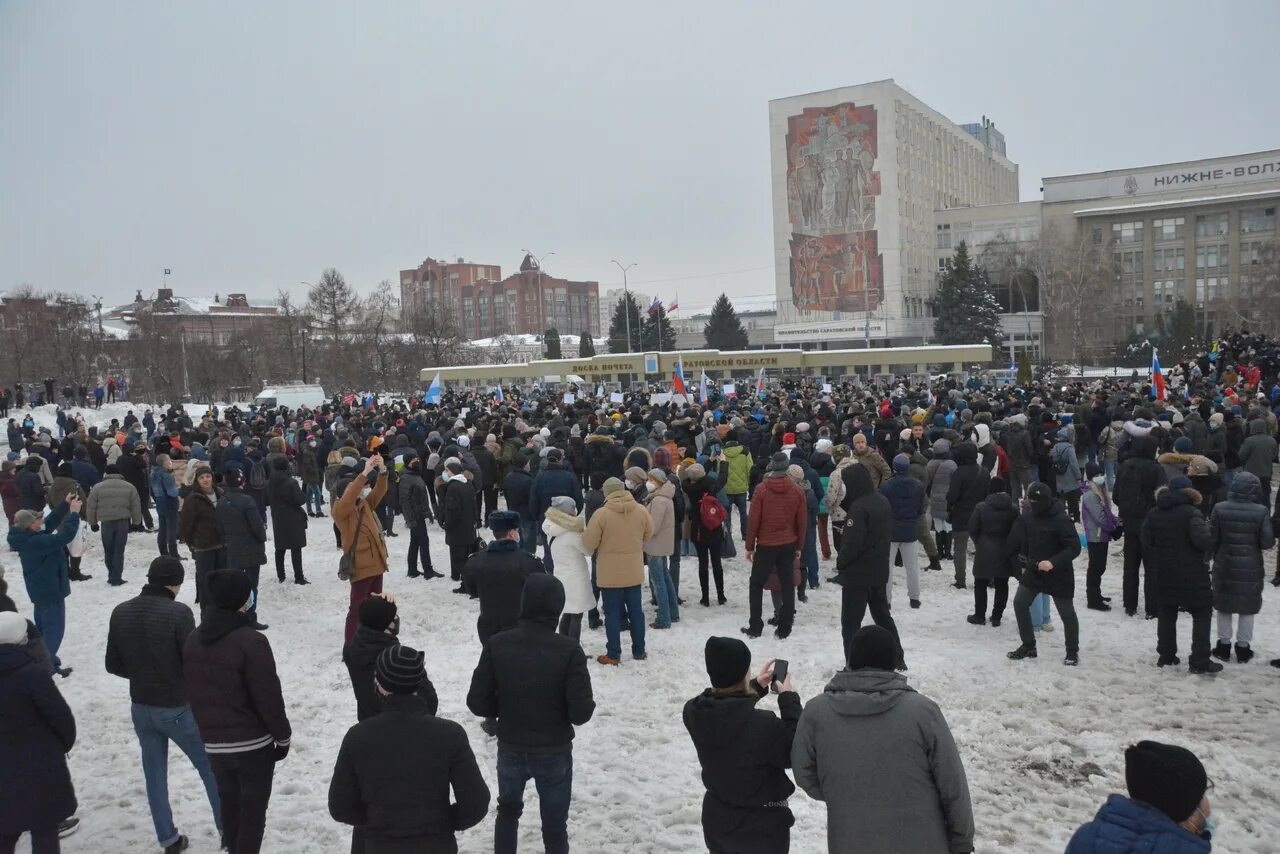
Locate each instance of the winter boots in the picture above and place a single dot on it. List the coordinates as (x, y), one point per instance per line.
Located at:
(1222, 650)
(1208, 666)
(1243, 653)
(944, 545)
(1022, 652)
(934, 564)
(75, 574)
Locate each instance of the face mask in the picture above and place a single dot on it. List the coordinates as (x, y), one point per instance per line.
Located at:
(311, 444)
(236, 443)
(1213, 425)
(1100, 480)
(650, 486)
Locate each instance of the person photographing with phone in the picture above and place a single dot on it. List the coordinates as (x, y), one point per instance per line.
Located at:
(361, 534)
(744, 751)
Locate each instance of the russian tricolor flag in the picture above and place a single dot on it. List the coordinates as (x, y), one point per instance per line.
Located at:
(677, 382)
(1157, 378)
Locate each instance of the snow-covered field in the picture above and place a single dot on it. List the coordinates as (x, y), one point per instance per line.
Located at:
(1042, 743)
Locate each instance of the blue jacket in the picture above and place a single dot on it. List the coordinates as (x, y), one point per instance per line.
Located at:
(44, 559)
(85, 474)
(553, 479)
(906, 501)
(162, 483)
(1124, 826)
(518, 487)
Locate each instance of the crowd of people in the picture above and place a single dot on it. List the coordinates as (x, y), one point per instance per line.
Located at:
(590, 510)
(46, 392)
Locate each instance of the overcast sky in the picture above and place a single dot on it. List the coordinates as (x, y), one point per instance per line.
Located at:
(249, 145)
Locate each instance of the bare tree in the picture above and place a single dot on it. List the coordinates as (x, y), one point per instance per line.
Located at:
(381, 310)
(332, 305)
(1075, 273)
(435, 336)
(503, 351)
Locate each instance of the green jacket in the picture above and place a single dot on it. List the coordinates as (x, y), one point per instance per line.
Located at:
(739, 458)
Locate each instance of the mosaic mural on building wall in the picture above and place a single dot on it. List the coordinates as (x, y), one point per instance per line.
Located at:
(831, 190)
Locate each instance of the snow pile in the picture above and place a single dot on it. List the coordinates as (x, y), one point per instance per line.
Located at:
(1042, 743)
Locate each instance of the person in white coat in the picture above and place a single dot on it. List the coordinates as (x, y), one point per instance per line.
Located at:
(563, 529)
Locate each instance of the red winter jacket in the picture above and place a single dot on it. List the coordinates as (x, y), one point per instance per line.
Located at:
(778, 515)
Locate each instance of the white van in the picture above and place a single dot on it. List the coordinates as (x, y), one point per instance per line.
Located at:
(291, 395)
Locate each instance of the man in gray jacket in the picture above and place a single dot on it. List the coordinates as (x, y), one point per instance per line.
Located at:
(1258, 455)
(869, 724)
(112, 506)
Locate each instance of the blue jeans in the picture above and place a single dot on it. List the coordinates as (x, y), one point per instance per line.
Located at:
(167, 529)
(552, 775)
(739, 501)
(115, 534)
(1040, 613)
(51, 620)
(664, 591)
(156, 726)
(314, 497)
(1109, 471)
(615, 598)
(809, 557)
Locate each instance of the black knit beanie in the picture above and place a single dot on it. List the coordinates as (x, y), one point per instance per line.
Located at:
(400, 669)
(728, 660)
(1168, 777)
(873, 647)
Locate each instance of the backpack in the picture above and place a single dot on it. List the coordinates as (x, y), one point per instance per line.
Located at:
(1060, 464)
(711, 512)
(258, 475)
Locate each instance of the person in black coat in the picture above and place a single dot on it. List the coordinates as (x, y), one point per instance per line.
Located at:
(744, 753)
(1046, 542)
(1241, 532)
(968, 487)
(37, 730)
(144, 645)
(863, 560)
(379, 629)
(458, 516)
(1176, 537)
(535, 682)
(133, 468)
(31, 489)
(1137, 480)
(245, 534)
(488, 464)
(396, 770)
(288, 518)
(908, 502)
(706, 541)
(497, 576)
(415, 506)
(990, 525)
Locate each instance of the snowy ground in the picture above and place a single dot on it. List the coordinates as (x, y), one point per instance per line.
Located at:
(1042, 743)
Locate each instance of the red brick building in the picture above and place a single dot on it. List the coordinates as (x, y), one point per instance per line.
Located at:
(487, 305)
(214, 320)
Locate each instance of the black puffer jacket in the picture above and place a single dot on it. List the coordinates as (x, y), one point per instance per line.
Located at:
(242, 528)
(415, 504)
(863, 560)
(968, 485)
(1241, 532)
(1047, 534)
(989, 527)
(232, 682)
(1137, 480)
(394, 777)
(360, 654)
(497, 575)
(144, 645)
(1176, 544)
(458, 512)
(533, 680)
(744, 753)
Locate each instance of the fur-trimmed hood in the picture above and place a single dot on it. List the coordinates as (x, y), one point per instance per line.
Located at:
(564, 520)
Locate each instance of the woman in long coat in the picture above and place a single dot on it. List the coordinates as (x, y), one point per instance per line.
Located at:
(288, 518)
(36, 732)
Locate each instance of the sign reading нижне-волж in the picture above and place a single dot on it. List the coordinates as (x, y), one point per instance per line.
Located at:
(1202, 174)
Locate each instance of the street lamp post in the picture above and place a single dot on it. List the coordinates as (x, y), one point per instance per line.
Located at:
(304, 342)
(626, 296)
(542, 314)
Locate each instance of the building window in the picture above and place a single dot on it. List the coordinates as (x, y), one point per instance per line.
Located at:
(1126, 232)
(1169, 259)
(944, 236)
(1171, 228)
(1166, 292)
(1212, 225)
(1214, 255)
(1257, 221)
(1209, 288)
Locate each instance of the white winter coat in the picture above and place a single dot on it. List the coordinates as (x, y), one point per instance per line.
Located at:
(571, 559)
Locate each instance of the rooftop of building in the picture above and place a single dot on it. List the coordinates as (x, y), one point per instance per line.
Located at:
(1273, 153)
